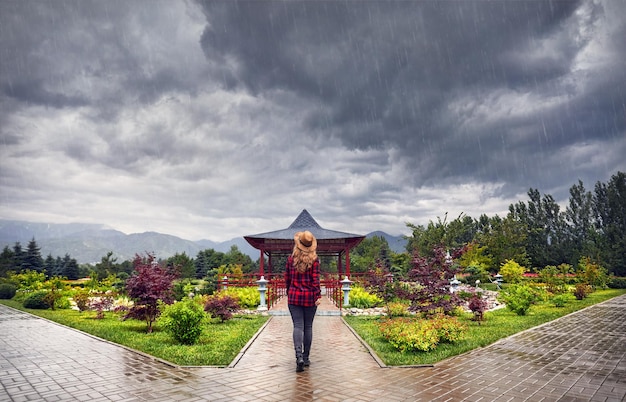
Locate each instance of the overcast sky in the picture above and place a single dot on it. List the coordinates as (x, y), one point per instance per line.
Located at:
(215, 120)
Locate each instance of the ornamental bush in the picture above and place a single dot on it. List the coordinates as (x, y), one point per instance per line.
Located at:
(184, 320)
(582, 290)
(38, 299)
(221, 306)
(561, 300)
(360, 298)
(512, 272)
(410, 334)
(246, 297)
(7, 291)
(519, 298)
(398, 309)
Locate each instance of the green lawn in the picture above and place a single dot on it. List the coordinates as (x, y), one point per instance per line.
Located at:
(498, 324)
(218, 346)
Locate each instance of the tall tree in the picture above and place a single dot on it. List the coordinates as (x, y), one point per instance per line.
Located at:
(184, 264)
(504, 239)
(580, 224)
(610, 212)
(7, 260)
(451, 235)
(70, 268)
(32, 258)
(18, 257)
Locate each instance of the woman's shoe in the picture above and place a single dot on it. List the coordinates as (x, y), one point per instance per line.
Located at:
(307, 362)
(299, 364)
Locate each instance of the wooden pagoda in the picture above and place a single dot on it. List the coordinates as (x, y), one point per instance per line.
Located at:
(329, 242)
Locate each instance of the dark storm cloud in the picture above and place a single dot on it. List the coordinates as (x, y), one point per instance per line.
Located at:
(444, 82)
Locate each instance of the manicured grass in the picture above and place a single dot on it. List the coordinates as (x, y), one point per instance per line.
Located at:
(218, 346)
(498, 324)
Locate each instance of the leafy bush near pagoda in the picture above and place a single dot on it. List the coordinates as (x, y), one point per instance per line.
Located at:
(183, 320)
(361, 298)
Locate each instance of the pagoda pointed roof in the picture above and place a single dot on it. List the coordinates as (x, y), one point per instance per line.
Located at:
(282, 240)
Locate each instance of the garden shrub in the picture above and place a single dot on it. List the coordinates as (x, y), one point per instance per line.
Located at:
(592, 273)
(617, 283)
(397, 309)
(101, 302)
(512, 272)
(38, 299)
(246, 297)
(561, 300)
(221, 306)
(360, 298)
(519, 298)
(409, 334)
(478, 306)
(555, 277)
(582, 290)
(183, 320)
(81, 298)
(7, 291)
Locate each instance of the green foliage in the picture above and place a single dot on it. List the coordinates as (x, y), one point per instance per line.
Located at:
(512, 272)
(81, 298)
(184, 320)
(37, 300)
(361, 298)
(560, 300)
(476, 271)
(592, 273)
(397, 309)
(410, 334)
(246, 297)
(518, 298)
(27, 280)
(7, 290)
(617, 283)
(555, 278)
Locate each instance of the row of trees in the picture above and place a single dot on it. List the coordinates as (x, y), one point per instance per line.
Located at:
(207, 263)
(535, 233)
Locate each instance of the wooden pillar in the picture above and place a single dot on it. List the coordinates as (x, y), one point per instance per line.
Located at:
(270, 263)
(261, 262)
(339, 267)
(348, 262)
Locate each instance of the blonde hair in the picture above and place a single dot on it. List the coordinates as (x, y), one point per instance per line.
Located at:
(303, 260)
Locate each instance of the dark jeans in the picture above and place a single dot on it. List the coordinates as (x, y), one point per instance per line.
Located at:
(302, 318)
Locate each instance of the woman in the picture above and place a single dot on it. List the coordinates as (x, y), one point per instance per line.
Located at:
(302, 278)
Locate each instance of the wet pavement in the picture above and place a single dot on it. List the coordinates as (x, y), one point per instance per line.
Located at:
(580, 357)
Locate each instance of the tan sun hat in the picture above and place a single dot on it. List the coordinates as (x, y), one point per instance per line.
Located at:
(305, 241)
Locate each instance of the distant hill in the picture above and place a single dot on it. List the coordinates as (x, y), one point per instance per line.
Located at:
(88, 243)
(397, 244)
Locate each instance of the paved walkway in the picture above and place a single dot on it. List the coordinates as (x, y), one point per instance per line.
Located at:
(580, 357)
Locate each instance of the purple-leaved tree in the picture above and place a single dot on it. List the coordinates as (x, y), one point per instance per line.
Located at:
(149, 283)
(433, 274)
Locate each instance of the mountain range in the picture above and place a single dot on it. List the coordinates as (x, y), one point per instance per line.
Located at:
(88, 243)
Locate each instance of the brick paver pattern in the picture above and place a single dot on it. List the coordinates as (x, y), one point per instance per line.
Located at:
(580, 357)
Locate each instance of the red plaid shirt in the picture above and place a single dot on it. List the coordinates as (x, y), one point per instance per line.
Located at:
(303, 289)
